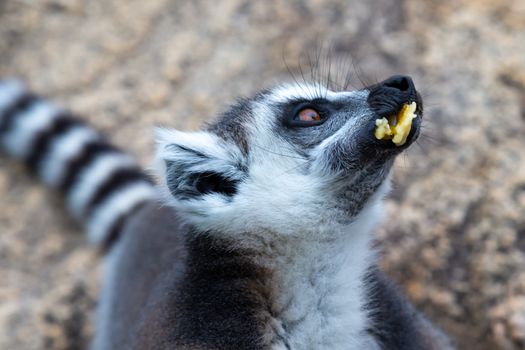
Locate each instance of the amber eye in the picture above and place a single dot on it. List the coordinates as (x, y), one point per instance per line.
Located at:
(305, 116)
(309, 115)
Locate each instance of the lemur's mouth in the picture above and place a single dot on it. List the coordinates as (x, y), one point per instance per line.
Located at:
(396, 127)
(398, 111)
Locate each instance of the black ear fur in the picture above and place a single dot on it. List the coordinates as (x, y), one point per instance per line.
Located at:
(185, 185)
(208, 182)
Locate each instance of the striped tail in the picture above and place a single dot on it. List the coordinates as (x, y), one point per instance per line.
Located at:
(101, 184)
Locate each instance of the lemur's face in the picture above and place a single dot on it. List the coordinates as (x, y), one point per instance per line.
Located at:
(287, 159)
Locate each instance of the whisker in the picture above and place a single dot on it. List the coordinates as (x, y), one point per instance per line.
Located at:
(279, 154)
(312, 72)
(328, 75)
(360, 75)
(434, 141)
(286, 172)
(423, 150)
(299, 85)
(301, 71)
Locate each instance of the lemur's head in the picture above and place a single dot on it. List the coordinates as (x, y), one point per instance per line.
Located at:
(287, 160)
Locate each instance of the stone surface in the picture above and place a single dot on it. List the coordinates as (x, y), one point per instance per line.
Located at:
(457, 242)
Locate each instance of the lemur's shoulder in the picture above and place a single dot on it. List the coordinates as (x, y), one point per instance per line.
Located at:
(395, 322)
(183, 293)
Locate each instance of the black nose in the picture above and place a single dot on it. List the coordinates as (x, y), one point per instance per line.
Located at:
(402, 83)
(388, 96)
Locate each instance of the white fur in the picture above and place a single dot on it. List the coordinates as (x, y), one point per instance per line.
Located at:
(63, 149)
(10, 90)
(286, 92)
(323, 284)
(20, 138)
(118, 203)
(199, 141)
(221, 155)
(91, 177)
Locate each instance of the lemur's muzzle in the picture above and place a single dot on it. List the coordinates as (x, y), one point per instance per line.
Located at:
(398, 107)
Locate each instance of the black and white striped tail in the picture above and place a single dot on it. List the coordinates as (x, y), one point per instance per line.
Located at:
(101, 184)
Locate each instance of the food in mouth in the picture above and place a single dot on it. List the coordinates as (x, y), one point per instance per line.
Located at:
(396, 127)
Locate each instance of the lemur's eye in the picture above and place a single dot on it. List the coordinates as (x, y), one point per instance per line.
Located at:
(308, 115)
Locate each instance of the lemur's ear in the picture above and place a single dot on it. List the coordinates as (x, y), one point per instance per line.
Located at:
(193, 164)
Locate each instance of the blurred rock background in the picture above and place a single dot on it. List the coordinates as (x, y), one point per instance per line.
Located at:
(455, 240)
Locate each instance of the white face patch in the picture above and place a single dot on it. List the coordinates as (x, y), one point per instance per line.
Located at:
(279, 189)
(287, 92)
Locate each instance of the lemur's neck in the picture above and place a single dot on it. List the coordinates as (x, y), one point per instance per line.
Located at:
(290, 292)
(319, 293)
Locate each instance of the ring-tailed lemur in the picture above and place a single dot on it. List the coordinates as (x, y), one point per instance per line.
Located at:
(266, 241)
